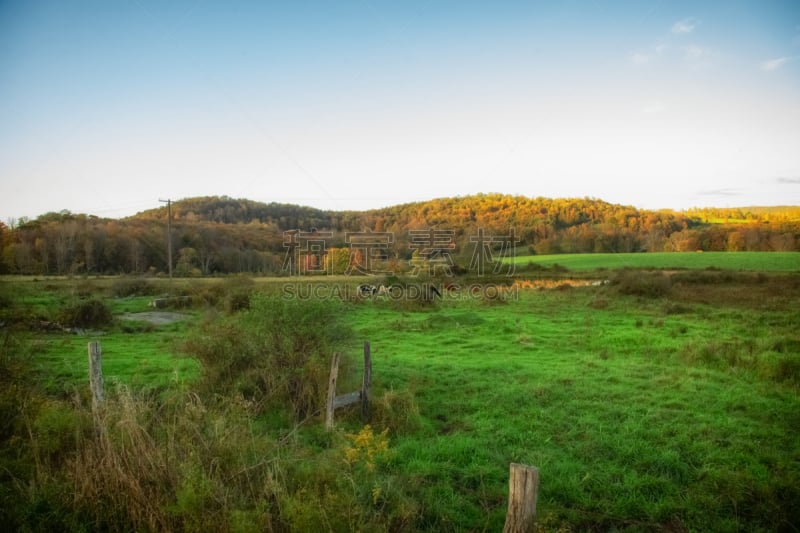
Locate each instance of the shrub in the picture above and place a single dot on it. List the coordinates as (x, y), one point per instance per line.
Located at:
(85, 289)
(203, 292)
(238, 301)
(232, 294)
(237, 293)
(278, 350)
(125, 287)
(91, 313)
(643, 284)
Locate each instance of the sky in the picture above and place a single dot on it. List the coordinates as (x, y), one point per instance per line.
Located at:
(108, 107)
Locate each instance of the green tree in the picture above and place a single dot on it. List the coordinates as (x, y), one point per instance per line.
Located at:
(337, 260)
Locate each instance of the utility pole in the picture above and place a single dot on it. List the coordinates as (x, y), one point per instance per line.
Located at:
(169, 234)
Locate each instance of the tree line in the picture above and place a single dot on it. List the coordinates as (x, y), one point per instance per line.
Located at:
(218, 235)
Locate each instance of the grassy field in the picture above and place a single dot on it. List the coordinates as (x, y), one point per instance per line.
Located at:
(651, 403)
(752, 261)
(639, 414)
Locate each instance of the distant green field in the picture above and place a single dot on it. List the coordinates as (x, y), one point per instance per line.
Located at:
(755, 261)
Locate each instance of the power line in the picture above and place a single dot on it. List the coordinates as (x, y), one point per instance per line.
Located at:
(169, 234)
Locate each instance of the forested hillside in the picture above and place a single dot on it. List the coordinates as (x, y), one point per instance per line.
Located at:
(224, 235)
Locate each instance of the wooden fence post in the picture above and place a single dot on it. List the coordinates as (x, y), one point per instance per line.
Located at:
(361, 396)
(329, 407)
(366, 384)
(523, 489)
(96, 378)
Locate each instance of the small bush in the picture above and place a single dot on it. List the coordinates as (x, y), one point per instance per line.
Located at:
(85, 289)
(91, 313)
(238, 301)
(232, 294)
(204, 293)
(238, 292)
(643, 284)
(125, 287)
(277, 351)
(532, 267)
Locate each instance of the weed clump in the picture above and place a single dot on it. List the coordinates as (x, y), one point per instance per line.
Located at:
(396, 411)
(642, 284)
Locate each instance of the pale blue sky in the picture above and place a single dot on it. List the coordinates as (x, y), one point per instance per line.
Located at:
(105, 107)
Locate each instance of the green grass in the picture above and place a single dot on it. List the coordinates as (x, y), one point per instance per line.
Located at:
(677, 412)
(134, 353)
(754, 261)
(627, 427)
(142, 356)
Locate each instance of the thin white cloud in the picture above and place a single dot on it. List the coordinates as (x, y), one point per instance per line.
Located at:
(774, 64)
(686, 25)
(640, 58)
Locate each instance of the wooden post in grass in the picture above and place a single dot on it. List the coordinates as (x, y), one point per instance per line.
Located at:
(329, 407)
(523, 489)
(96, 377)
(366, 383)
(351, 397)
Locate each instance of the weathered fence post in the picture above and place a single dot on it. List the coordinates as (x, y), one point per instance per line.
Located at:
(362, 395)
(329, 407)
(366, 383)
(523, 489)
(96, 378)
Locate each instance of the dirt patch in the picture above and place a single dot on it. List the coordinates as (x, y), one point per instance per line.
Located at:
(157, 318)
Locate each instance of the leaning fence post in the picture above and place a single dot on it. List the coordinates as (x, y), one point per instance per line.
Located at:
(523, 488)
(331, 391)
(366, 384)
(96, 377)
